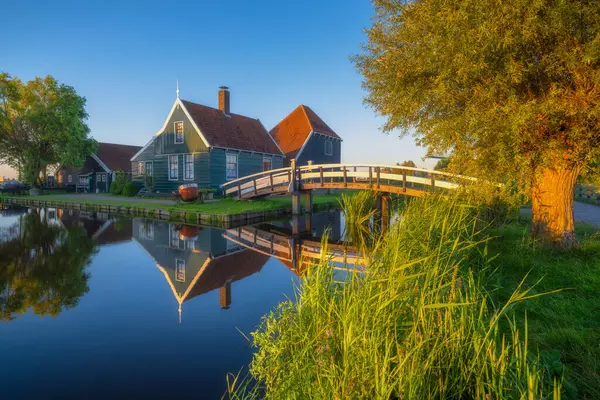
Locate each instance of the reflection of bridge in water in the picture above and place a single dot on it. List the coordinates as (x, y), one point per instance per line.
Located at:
(295, 251)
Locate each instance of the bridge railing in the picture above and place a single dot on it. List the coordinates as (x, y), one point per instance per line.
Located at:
(354, 176)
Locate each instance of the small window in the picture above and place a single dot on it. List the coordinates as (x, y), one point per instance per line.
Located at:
(179, 132)
(267, 163)
(148, 168)
(188, 167)
(70, 178)
(146, 230)
(232, 167)
(140, 168)
(173, 168)
(179, 270)
(328, 147)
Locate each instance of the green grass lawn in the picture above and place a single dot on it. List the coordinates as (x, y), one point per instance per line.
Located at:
(224, 206)
(564, 326)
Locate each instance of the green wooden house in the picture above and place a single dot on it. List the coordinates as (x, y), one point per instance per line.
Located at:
(205, 145)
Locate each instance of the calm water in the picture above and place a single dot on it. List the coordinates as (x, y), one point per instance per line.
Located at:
(93, 306)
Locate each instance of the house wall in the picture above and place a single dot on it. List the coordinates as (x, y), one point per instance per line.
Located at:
(315, 151)
(248, 164)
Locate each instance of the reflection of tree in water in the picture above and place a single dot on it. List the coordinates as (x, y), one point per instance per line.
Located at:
(43, 267)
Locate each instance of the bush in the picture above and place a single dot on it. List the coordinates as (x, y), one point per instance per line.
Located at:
(130, 189)
(116, 188)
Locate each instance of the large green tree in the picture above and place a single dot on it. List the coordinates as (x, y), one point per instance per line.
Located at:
(42, 123)
(511, 88)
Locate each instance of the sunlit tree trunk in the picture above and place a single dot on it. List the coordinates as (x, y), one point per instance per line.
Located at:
(552, 206)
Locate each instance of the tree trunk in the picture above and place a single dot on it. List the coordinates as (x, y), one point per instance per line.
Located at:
(552, 206)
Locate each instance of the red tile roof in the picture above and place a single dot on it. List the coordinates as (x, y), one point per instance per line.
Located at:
(232, 131)
(293, 130)
(116, 156)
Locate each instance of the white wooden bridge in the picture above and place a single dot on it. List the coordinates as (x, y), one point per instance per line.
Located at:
(381, 178)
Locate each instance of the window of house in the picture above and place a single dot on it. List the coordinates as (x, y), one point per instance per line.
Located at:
(140, 168)
(147, 230)
(148, 168)
(328, 147)
(188, 167)
(83, 180)
(179, 132)
(232, 166)
(173, 237)
(179, 270)
(173, 167)
(70, 178)
(267, 163)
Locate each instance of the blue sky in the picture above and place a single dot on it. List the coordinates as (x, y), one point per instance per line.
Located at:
(125, 58)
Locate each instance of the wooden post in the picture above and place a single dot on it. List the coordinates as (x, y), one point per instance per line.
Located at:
(345, 177)
(239, 191)
(404, 182)
(385, 213)
(271, 180)
(321, 172)
(378, 176)
(370, 176)
(225, 295)
(432, 183)
(292, 176)
(296, 210)
(255, 191)
(308, 201)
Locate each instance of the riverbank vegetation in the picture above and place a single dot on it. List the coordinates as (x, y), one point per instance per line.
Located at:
(449, 307)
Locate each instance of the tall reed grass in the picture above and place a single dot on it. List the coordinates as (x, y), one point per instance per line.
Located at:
(418, 325)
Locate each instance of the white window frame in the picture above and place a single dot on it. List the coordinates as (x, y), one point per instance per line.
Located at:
(182, 132)
(178, 262)
(270, 160)
(330, 143)
(169, 166)
(237, 166)
(70, 178)
(185, 171)
(151, 167)
(140, 168)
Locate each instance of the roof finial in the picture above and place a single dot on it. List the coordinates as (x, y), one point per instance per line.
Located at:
(177, 88)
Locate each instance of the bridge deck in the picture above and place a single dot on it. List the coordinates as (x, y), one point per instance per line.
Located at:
(382, 178)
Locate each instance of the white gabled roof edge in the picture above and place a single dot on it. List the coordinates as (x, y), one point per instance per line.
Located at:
(187, 114)
(297, 156)
(272, 138)
(99, 161)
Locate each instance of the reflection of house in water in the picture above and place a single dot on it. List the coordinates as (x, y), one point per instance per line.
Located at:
(99, 226)
(196, 260)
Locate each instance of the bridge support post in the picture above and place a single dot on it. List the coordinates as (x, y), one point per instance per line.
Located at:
(296, 204)
(308, 203)
(225, 295)
(383, 212)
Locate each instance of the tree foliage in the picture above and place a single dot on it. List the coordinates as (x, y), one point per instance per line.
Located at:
(42, 123)
(508, 87)
(42, 267)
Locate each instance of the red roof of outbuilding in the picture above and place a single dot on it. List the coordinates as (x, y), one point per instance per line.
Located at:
(232, 131)
(291, 133)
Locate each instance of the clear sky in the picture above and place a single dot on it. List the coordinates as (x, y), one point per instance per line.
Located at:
(125, 58)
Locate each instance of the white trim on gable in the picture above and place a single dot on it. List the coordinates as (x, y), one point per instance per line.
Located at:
(187, 114)
(272, 138)
(304, 145)
(99, 161)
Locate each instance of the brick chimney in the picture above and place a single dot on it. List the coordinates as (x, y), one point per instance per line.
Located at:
(224, 99)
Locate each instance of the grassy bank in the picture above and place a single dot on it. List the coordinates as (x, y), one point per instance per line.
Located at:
(224, 206)
(418, 324)
(564, 326)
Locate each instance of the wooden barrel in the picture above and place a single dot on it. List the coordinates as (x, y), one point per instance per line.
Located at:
(189, 192)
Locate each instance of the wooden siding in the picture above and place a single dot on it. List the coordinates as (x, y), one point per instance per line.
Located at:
(165, 142)
(315, 151)
(248, 164)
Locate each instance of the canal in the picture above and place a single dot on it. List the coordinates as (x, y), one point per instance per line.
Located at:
(95, 306)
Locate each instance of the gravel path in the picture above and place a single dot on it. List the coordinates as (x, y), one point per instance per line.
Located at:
(584, 212)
